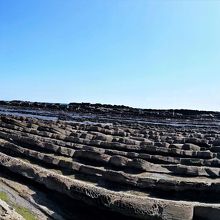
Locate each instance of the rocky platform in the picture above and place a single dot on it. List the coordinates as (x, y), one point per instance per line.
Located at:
(84, 161)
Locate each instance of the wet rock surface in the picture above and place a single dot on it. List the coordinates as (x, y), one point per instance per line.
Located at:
(110, 160)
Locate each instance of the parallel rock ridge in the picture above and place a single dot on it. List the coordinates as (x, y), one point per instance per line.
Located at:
(145, 164)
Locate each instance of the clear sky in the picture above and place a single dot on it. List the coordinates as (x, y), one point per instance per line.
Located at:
(149, 54)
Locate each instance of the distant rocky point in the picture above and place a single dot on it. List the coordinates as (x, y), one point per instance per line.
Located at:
(114, 109)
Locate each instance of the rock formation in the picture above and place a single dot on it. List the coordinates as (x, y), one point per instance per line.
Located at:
(145, 164)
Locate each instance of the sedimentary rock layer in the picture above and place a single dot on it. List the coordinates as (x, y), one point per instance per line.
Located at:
(136, 168)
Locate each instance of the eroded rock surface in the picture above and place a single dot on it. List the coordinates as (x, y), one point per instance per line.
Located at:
(144, 164)
(8, 213)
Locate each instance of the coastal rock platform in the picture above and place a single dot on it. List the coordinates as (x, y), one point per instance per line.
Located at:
(93, 161)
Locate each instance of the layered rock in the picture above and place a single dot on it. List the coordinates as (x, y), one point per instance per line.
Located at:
(127, 166)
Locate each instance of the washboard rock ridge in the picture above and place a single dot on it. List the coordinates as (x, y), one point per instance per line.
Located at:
(94, 161)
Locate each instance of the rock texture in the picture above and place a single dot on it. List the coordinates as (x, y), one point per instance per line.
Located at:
(145, 164)
(8, 213)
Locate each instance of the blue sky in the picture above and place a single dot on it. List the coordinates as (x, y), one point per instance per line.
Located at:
(149, 54)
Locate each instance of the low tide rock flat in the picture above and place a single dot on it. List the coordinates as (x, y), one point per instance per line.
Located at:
(84, 161)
